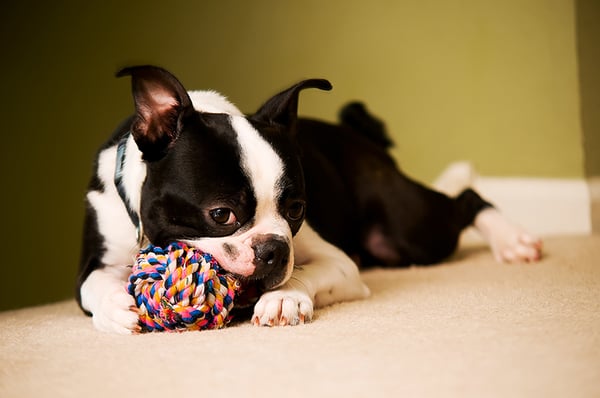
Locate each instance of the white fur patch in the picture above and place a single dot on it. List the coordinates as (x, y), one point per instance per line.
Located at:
(134, 174)
(265, 169)
(212, 102)
(114, 223)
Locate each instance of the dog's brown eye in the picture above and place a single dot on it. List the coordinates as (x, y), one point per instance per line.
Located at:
(223, 216)
(295, 210)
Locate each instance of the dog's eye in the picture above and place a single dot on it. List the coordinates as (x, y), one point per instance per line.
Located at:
(295, 210)
(223, 216)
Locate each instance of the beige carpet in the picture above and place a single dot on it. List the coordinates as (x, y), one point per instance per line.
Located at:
(467, 328)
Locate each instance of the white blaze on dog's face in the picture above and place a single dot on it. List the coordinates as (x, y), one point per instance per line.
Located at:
(265, 242)
(227, 184)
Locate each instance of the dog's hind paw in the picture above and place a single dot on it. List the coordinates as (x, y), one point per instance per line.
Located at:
(283, 307)
(522, 248)
(509, 243)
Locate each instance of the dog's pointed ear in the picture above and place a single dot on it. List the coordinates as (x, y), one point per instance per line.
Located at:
(160, 101)
(282, 108)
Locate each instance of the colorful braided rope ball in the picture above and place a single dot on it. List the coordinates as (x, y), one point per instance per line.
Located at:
(181, 288)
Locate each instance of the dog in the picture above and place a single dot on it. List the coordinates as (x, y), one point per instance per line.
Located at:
(295, 206)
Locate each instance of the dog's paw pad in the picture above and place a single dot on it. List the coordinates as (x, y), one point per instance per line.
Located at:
(283, 308)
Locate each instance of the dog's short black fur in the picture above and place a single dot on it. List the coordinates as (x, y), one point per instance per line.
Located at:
(385, 218)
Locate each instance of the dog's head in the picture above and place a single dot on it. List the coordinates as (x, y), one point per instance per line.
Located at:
(225, 183)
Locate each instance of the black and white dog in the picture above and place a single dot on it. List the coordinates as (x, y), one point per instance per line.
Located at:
(290, 204)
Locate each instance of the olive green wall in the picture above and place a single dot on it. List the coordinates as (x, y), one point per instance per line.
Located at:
(588, 40)
(490, 81)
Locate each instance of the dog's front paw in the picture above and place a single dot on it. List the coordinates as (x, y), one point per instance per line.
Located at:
(117, 313)
(283, 307)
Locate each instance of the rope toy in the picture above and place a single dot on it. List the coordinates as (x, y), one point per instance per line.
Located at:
(181, 288)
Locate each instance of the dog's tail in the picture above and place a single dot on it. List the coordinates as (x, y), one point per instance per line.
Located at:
(356, 116)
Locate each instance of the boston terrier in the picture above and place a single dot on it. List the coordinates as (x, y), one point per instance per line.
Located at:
(292, 205)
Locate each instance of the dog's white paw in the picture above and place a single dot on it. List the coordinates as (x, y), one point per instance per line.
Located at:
(283, 307)
(517, 246)
(509, 243)
(117, 313)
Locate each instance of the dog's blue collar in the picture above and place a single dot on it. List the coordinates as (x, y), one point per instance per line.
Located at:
(120, 162)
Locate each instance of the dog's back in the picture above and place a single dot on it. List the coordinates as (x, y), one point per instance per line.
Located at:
(360, 200)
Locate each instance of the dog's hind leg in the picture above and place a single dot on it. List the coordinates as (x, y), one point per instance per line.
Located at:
(508, 242)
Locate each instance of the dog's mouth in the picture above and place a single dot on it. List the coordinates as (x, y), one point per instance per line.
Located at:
(262, 283)
(250, 290)
(264, 263)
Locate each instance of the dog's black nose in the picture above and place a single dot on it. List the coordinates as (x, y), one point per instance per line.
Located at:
(269, 255)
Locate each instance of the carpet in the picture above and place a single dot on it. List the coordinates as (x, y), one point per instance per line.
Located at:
(466, 328)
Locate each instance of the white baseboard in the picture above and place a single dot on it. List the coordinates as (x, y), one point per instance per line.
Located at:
(543, 206)
(594, 184)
